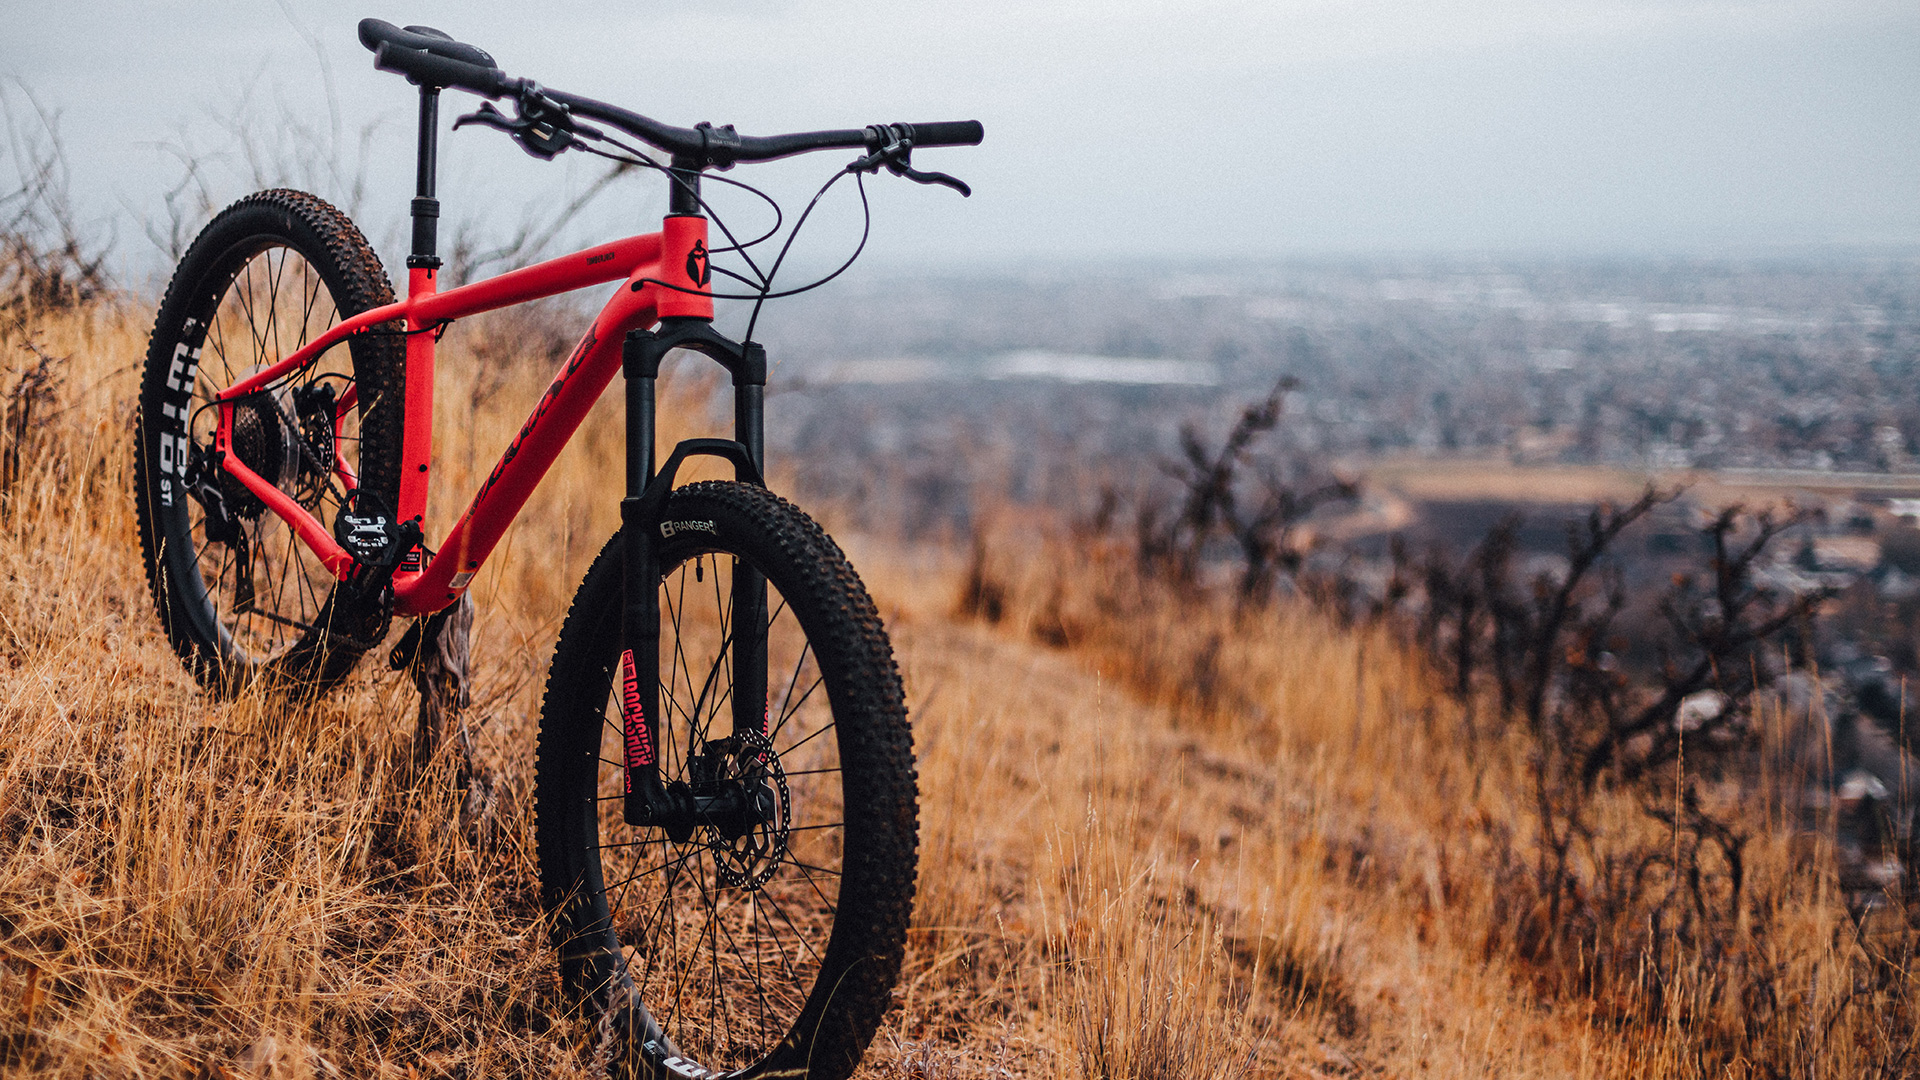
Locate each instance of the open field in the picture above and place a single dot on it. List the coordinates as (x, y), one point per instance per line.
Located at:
(1190, 846)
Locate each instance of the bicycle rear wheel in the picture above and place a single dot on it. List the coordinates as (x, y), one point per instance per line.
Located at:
(238, 593)
(754, 947)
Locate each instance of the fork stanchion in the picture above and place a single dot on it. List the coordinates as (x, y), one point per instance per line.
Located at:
(750, 701)
(637, 682)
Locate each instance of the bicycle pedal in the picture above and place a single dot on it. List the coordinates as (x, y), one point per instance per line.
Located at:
(379, 545)
(369, 538)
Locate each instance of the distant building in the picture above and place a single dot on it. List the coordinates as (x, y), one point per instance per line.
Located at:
(1846, 553)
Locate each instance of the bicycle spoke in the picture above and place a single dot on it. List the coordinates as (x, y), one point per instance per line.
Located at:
(724, 658)
(288, 568)
(217, 331)
(705, 716)
(798, 936)
(787, 711)
(245, 295)
(637, 843)
(773, 935)
(810, 738)
(648, 922)
(796, 863)
(694, 851)
(305, 628)
(713, 954)
(312, 297)
(675, 606)
(815, 886)
(309, 596)
(619, 901)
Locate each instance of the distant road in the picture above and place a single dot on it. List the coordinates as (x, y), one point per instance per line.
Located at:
(1817, 480)
(1497, 480)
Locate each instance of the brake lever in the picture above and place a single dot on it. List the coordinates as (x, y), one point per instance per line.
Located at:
(897, 158)
(543, 128)
(940, 178)
(488, 116)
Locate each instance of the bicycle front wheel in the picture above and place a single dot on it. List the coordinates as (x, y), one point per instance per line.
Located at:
(757, 946)
(237, 591)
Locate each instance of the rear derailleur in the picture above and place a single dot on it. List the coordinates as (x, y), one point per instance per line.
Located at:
(223, 525)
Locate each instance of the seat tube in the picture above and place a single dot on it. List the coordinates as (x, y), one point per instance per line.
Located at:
(416, 442)
(423, 269)
(638, 677)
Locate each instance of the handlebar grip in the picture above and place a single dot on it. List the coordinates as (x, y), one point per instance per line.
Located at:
(948, 133)
(426, 69)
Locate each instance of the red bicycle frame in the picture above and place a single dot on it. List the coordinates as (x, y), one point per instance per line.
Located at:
(642, 261)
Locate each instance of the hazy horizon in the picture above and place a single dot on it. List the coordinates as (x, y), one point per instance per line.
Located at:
(1130, 132)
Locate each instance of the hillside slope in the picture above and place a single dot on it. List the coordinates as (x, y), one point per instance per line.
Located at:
(1307, 883)
(1109, 892)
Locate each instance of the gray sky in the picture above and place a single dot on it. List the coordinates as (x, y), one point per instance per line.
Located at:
(1130, 128)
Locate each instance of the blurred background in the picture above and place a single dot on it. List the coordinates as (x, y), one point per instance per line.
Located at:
(1446, 474)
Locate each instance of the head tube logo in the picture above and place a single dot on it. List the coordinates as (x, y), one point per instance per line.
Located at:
(697, 269)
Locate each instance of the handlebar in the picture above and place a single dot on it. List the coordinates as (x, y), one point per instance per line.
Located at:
(429, 58)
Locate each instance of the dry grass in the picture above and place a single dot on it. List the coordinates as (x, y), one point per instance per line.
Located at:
(1132, 894)
(1382, 854)
(190, 886)
(1186, 845)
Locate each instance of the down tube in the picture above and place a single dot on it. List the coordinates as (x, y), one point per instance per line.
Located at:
(594, 363)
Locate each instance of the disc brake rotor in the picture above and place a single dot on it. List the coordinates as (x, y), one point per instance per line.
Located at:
(749, 851)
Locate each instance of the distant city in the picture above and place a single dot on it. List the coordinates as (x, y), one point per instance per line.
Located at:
(1658, 365)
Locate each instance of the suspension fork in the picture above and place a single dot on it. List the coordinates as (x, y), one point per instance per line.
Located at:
(649, 801)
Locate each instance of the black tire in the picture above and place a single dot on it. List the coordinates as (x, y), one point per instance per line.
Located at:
(742, 974)
(269, 273)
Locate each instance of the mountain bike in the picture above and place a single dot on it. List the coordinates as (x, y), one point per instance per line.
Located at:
(726, 796)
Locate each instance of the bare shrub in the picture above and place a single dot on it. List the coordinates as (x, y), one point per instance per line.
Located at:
(1223, 527)
(46, 260)
(1230, 505)
(26, 401)
(1636, 883)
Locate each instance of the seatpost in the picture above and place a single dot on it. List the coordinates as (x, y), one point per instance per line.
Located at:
(426, 208)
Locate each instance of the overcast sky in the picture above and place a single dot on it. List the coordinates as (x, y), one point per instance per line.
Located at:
(1131, 128)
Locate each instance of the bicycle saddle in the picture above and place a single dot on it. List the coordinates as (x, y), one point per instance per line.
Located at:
(375, 32)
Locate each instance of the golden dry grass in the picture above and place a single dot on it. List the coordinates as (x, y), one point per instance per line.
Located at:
(1303, 793)
(1187, 847)
(194, 885)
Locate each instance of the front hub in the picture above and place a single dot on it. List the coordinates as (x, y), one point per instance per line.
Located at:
(742, 807)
